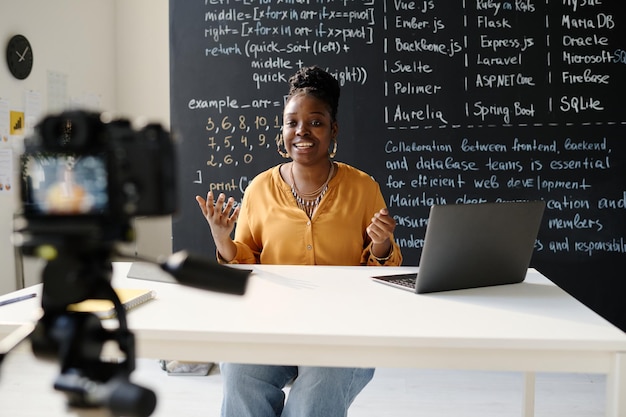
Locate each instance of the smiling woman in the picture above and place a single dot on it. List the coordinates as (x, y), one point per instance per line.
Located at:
(312, 210)
(311, 196)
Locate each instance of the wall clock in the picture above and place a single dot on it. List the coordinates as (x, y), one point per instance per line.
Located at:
(19, 57)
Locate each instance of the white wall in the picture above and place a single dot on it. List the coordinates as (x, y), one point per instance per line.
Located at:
(116, 51)
(143, 91)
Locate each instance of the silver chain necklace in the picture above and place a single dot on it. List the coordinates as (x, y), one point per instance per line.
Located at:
(309, 201)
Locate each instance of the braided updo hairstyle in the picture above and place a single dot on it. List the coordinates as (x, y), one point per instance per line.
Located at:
(318, 83)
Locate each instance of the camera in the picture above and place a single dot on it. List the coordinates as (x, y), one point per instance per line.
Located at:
(83, 180)
(82, 174)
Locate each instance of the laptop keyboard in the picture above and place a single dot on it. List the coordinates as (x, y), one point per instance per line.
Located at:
(408, 282)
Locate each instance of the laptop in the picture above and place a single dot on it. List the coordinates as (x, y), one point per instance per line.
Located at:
(473, 245)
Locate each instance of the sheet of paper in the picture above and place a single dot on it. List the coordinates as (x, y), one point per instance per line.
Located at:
(4, 120)
(6, 170)
(32, 110)
(57, 92)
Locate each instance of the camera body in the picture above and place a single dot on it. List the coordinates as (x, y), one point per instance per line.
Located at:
(82, 175)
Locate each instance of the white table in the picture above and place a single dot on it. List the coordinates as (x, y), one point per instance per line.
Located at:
(338, 316)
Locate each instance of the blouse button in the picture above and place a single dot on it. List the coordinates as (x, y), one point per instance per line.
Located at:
(309, 247)
(308, 223)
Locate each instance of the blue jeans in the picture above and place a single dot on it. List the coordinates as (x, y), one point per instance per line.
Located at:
(257, 390)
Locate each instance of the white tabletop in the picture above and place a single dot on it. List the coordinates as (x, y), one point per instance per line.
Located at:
(343, 307)
(314, 315)
(309, 315)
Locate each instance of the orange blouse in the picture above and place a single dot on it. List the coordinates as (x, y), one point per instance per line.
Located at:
(271, 229)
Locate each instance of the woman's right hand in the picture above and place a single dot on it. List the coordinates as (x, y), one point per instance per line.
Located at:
(220, 215)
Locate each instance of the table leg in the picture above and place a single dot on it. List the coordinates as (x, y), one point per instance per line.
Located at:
(528, 406)
(616, 388)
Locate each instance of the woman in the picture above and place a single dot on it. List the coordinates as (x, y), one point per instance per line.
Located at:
(310, 211)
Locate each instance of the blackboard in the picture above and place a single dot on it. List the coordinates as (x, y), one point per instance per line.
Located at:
(442, 102)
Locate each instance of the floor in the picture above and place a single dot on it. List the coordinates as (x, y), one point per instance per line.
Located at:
(26, 390)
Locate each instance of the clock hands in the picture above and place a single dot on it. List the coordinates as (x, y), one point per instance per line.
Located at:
(23, 54)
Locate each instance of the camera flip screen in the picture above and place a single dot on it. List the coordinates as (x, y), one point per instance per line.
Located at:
(61, 184)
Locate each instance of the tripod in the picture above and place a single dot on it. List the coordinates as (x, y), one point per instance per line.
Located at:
(77, 339)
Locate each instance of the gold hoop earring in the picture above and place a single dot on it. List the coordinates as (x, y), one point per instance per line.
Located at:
(280, 141)
(332, 153)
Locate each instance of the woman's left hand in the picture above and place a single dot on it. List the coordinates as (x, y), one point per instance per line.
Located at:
(381, 229)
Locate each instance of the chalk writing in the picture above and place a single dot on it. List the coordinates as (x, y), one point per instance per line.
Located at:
(442, 103)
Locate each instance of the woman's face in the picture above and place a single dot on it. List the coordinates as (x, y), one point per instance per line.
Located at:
(308, 129)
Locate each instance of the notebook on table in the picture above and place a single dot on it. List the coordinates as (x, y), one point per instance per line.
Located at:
(473, 245)
(104, 309)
